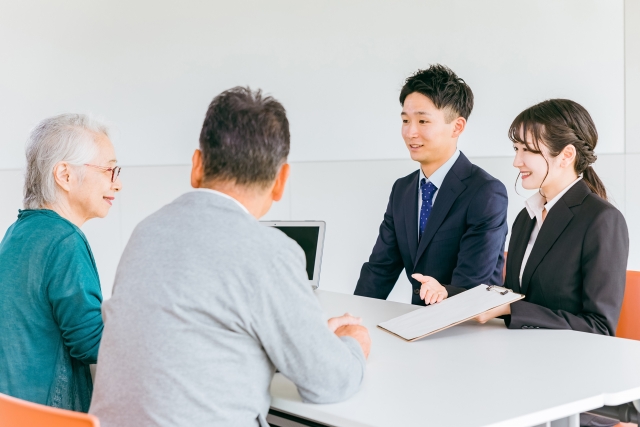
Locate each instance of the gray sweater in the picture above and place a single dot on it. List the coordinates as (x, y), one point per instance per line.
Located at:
(207, 304)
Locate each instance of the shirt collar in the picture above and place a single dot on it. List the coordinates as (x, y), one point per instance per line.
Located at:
(208, 190)
(437, 178)
(536, 203)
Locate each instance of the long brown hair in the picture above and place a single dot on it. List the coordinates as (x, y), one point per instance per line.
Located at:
(557, 123)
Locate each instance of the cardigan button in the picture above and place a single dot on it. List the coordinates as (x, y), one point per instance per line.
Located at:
(416, 291)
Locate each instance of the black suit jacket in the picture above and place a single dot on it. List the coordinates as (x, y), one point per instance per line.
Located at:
(575, 275)
(463, 242)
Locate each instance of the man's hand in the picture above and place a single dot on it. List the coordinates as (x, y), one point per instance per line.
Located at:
(503, 310)
(431, 290)
(360, 333)
(344, 320)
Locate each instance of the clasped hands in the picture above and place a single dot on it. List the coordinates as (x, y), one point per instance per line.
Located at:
(432, 292)
(349, 326)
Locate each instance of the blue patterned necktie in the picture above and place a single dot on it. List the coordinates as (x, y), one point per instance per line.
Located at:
(428, 190)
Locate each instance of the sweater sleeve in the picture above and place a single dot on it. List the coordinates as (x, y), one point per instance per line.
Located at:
(290, 325)
(73, 290)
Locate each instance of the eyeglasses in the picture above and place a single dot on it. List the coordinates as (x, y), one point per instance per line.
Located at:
(115, 172)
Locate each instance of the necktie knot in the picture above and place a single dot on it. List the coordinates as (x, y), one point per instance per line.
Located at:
(428, 189)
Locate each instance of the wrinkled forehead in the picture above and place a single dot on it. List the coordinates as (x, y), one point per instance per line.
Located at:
(105, 152)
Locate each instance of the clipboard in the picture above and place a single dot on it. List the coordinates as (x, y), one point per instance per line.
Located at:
(450, 312)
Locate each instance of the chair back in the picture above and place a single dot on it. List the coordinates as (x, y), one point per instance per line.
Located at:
(629, 323)
(504, 268)
(20, 413)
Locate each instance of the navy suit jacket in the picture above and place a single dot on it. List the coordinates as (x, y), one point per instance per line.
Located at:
(463, 242)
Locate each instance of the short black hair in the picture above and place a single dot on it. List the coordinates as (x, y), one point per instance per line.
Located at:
(443, 87)
(245, 138)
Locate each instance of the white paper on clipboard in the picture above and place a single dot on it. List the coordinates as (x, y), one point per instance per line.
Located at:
(450, 312)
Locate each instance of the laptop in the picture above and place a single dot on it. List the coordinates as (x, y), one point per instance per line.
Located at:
(310, 236)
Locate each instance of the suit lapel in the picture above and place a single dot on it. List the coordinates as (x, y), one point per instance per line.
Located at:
(516, 253)
(410, 206)
(557, 220)
(452, 187)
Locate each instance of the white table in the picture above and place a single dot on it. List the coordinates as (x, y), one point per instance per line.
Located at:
(473, 375)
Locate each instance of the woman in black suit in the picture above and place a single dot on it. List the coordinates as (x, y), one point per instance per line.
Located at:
(569, 246)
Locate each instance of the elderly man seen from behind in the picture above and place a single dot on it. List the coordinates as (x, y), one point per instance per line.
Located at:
(208, 302)
(50, 320)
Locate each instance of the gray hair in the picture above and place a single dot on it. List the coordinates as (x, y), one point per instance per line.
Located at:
(245, 138)
(65, 138)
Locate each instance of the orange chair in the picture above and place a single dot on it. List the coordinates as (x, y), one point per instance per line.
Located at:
(20, 413)
(629, 323)
(504, 268)
(628, 327)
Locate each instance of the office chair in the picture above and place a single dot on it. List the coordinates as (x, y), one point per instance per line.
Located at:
(504, 268)
(628, 327)
(629, 323)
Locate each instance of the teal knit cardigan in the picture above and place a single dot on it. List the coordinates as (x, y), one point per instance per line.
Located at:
(50, 318)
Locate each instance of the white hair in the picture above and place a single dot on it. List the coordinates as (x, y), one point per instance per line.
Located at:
(65, 138)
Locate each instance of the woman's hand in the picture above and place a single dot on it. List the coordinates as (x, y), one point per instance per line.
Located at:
(431, 291)
(503, 310)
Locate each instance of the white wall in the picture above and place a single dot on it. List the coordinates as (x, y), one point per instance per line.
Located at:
(151, 69)
(632, 125)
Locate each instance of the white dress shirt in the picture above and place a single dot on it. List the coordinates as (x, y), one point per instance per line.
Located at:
(535, 205)
(223, 195)
(436, 178)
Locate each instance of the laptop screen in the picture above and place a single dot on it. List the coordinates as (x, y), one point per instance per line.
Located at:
(307, 238)
(309, 235)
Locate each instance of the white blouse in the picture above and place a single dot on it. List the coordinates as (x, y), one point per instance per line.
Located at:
(535, 205)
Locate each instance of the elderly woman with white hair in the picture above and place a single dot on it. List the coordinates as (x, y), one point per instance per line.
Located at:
(50, 300)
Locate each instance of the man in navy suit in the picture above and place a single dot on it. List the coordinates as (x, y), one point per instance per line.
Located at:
(446, 223)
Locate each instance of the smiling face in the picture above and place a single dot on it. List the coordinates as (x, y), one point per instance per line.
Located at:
(93, 195)
(542, 170)
(532, 166)
(426, 133)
